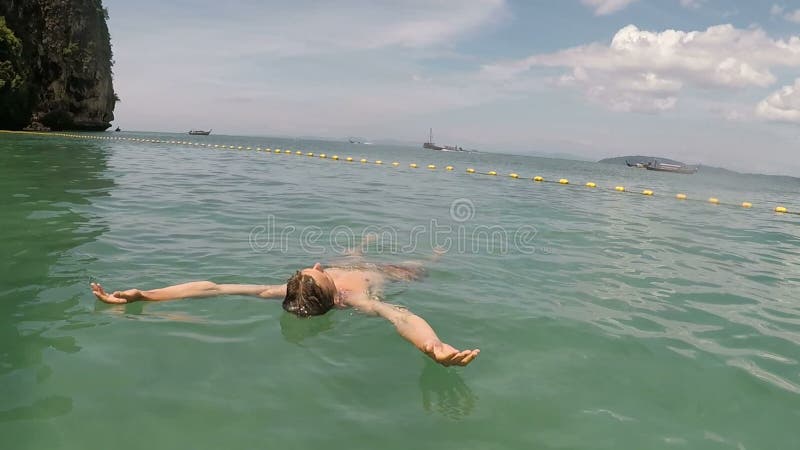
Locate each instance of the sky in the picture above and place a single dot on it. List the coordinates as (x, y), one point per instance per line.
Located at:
(702, 81)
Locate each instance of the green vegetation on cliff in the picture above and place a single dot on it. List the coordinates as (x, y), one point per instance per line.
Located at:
(55, 65)
(15, 98)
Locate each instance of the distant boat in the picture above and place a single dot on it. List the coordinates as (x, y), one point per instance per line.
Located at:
(637, 165)
(360, 141)
(117, 129)
(676, 168)
(199, 132)
(432, 146)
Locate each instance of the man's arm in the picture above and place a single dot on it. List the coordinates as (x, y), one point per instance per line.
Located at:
(194, 289)
(416, 330)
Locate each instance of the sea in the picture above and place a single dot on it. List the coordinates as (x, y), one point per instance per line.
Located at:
(606, 318)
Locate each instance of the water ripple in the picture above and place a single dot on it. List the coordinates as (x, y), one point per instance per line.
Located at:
(627, 309)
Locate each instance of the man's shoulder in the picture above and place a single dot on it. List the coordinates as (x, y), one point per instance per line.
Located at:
(350, 298)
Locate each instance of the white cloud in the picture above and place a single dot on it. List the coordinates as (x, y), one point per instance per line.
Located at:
(733, 115)
(730, 112)
(312, 28)
(448, 21)
(782, 105)
(645, 93)
(262, 66)
(692, 4)
(644, 71)
(605, 7)
(793, 16)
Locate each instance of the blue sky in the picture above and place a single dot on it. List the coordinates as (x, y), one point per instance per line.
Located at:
(703, 81)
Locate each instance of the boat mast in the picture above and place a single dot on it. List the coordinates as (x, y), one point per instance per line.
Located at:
(430, 139)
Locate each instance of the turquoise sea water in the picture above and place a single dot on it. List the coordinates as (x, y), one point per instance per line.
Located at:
(605, 320)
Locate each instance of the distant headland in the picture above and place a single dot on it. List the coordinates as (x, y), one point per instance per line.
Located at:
(55, 66)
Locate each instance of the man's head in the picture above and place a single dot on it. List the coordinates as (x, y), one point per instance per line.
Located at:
(309, 292)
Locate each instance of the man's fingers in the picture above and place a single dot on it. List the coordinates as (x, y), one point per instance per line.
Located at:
(98, 289)
(456, 359)
(449, 356)
(465, 357)
(103, 296)
(468, 359)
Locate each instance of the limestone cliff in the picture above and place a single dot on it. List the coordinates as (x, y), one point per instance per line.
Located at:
(55, 65)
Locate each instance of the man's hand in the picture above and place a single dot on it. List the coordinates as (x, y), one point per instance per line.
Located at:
(118, 297)
(446, 355)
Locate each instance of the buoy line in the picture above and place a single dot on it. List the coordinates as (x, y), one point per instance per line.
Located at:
(779, 210)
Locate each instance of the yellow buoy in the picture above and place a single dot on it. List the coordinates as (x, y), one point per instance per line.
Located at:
(323, 155)
(349, 159)
(619, 188)
(713, 200)
(681, 196)
(747, 205)
(395, 163)
(431, 166)
(563, 181)
(298, 152)
(537, 178)
(470, 170)
(335, 157)
(413, 165)
(781, 209)
(217, 146)
(448, 168)
(277, 150)
(309, 154)
(379, 162)
(647, 192)
(248, 148)
(513, 175)
(591, 184)
(363, 160)
(492, 173)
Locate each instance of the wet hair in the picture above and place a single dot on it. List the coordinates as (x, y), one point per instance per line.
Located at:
(304, 297)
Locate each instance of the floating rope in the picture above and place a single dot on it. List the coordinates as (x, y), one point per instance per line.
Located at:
(779, 210)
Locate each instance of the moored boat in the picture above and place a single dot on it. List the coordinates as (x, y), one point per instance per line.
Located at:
(663, 167)
(637, 165)
(431, 145)
(199, 132)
